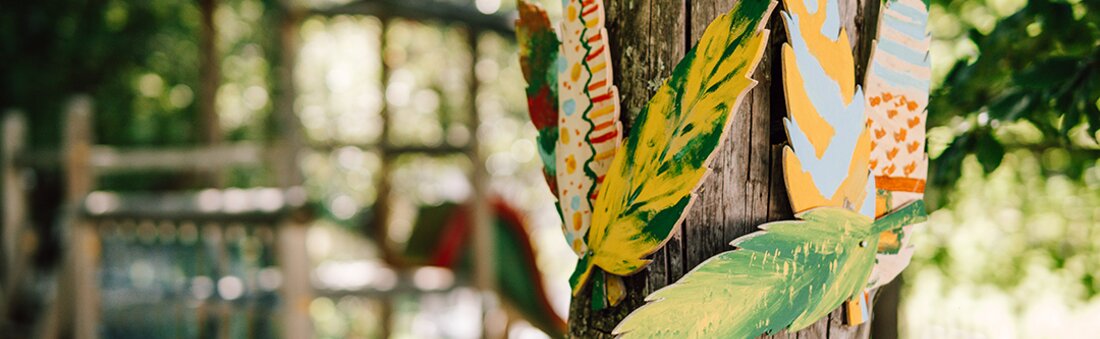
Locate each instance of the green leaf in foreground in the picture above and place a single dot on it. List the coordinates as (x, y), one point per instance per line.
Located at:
(789, 275)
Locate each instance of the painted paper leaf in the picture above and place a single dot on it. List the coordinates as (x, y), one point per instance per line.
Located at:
(826, 164)
(650, 183)
(538, 58)
(590, 130)
(897, 102)
(787, 276)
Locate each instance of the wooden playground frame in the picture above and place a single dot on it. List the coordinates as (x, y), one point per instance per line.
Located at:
(76, 308)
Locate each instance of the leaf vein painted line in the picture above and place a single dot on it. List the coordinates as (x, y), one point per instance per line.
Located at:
(585, 86)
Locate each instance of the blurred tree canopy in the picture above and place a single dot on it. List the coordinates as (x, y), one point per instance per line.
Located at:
(1026, 76)
(139, 60)
(101, 48)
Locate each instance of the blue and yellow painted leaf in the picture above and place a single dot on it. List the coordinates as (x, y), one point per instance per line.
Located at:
(897, 101)
(826, 164)
(651, 181)
(786, 276)
(538, 58)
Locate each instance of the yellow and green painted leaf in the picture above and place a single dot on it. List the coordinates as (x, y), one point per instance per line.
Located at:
(588, 126)
(786, 276)
(651, 181)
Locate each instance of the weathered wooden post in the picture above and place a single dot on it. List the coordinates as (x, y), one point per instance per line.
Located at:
(480, 218)
(81, 260)
(297, 289)
(746, 188)
(14, 197)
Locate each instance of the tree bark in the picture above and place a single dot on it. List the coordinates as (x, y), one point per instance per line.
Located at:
(745, 189)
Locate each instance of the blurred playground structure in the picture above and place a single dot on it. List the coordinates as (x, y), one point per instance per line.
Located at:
(358, 214)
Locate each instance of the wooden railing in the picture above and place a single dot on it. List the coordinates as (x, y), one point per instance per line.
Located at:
(92, 220)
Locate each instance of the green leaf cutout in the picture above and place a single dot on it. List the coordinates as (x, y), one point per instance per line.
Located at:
(787, 276)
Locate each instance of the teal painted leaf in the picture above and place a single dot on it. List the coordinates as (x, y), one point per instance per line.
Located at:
(787, 276)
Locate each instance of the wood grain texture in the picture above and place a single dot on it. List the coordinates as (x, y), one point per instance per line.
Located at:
(745, 187)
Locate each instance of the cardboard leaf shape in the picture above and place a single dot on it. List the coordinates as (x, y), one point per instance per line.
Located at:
(590, 130)
(897, 104)
(538, 58)
(786, 276)
(651, 181)
(826, 164)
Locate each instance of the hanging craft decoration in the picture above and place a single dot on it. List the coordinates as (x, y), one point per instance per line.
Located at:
(795, 272)
(538, 58)
(786, 276)
(826, 164)
(897, 101)
(590, 130)
(620, 204)
(651, 181)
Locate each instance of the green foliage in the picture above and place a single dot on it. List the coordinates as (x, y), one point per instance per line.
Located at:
(1013, 131)
(1036, 70)
(1014, 246)
(139, 60)
(100, 48)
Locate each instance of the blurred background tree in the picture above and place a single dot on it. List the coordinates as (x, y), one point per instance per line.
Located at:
(1015, 75)
(1012, 249)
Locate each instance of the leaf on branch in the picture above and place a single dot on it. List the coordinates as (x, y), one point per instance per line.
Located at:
(990, 152)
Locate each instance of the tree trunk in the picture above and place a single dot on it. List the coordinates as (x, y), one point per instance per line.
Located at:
(745, 189)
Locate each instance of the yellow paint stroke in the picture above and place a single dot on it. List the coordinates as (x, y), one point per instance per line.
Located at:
(835, 59)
